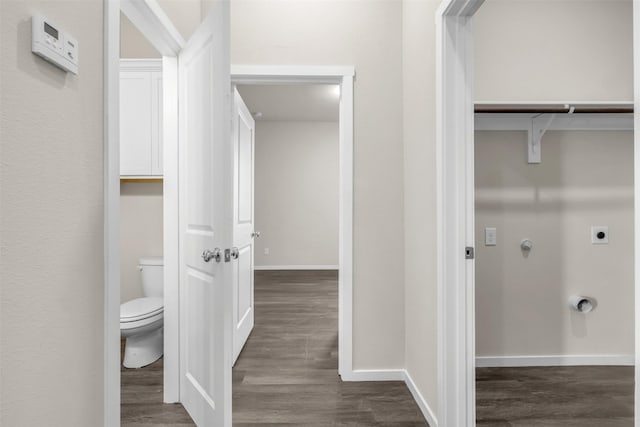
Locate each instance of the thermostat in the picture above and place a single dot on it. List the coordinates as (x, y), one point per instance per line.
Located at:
(51, 43)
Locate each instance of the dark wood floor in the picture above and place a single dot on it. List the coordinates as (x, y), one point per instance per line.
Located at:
(287, 373)
(141, 399)
(584, 396)
(287, 376)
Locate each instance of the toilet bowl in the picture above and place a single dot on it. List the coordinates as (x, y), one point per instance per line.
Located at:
(142, 319)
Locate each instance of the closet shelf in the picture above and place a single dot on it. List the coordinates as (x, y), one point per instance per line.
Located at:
(536, 118)
(554, 107)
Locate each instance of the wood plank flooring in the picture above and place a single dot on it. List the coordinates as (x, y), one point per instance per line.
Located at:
(584, 396)
(287, 374)
(141, 399)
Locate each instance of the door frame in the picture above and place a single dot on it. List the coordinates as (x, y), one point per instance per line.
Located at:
(455, 207)
(156, 26)
(150, 19)
(343, 76)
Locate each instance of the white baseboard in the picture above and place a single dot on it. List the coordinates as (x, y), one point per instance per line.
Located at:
(374, 375)
(395, 375)
(420, 400)
(295, 267)
(580, 360)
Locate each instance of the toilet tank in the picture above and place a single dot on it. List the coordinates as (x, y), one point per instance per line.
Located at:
(152, 271)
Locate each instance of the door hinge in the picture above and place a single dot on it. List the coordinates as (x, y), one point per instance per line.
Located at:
(469, 252)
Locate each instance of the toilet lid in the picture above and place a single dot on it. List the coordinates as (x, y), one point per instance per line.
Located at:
(141, 308)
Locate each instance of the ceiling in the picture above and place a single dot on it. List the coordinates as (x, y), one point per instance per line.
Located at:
(280, 102)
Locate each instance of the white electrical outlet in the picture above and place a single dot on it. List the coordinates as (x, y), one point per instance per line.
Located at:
(599, 234)
(266, 251)
(490, 236)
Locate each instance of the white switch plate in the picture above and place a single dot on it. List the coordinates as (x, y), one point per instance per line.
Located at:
(599, 234)
(490, 236)
(266, 251)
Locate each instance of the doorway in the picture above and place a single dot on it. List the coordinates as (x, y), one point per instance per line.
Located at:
(296, 251)
(456, 182)
(341, 77)
(163, 34)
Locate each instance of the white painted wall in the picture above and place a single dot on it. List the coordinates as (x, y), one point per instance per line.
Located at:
(554, 50)
(132, 43)
(538, 50)
(186, 15)
(367, 35)
(140, 232)
(585, 179)
(296, 193)
(421, 310)
(51, 222)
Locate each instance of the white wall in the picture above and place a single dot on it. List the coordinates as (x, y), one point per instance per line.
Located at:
(585, 179)
(140, 232)
(132, 43)
(367, 35)
(554, 50)
(296, 193)
(421, 296)
(51, 222)
(542, 50)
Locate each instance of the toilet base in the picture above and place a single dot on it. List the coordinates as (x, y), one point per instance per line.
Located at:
(143, 349)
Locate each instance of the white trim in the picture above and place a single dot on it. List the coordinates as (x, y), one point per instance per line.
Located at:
(426, 410)
(636, 143)
(396, 375)
(111, 213)
(455, 188)
(564, 360)
(295, 267)
(134, 64)
(171, 230)
(344, 76)
(561, 122)
(149, 17)
(291, 74)
(375, 375)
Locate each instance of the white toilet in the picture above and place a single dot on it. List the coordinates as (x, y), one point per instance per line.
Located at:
(142, 319)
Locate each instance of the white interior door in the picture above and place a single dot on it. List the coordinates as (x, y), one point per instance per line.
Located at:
(205, 193)
(243, 137)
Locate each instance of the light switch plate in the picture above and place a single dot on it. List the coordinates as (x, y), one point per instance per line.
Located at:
(490, 236)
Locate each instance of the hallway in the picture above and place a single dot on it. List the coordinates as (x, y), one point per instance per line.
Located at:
(288, 370)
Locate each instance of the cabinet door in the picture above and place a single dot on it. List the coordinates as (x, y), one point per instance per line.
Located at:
(156, 123)
(135, 123)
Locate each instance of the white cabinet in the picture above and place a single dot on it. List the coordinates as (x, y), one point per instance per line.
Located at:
(140, 118)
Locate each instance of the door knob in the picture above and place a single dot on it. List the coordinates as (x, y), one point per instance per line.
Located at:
(255, 234)
(208, 255)
(235, 253)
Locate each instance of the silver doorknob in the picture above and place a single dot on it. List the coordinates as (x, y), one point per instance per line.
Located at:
(208, 255)
(255, 234)
(235, 253)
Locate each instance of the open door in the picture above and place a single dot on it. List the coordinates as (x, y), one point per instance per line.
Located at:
(205, 226)
(243, 138)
